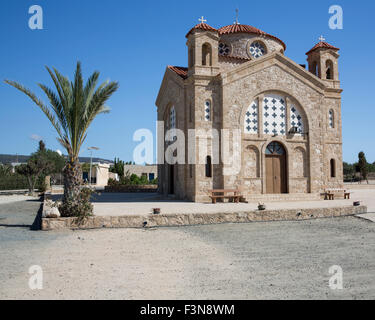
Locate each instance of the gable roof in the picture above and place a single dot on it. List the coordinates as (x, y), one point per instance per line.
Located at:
(322, 45)
(201, 26)
(181, 71)
(243, 28)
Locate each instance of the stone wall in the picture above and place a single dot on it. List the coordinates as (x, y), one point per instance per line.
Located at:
(142, 221)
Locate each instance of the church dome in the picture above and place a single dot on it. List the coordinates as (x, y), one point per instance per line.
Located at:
(243, 28)
(322, 45)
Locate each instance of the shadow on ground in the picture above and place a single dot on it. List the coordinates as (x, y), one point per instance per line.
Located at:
(107, 197)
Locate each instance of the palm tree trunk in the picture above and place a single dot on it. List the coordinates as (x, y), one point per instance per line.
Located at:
(72, 182)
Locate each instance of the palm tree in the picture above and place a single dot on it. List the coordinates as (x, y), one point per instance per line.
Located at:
(71, 112)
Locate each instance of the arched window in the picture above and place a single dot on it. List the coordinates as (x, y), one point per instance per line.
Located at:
(172, 118)
(329, 70)
(207, 110)
(191, 57)
(208, 167)
(206, 55)
(333, 168)
(314, 69)
(257, 49)
(331, 119)
(275, 148)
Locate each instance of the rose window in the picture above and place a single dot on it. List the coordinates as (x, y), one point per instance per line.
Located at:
(224, 49)
(257, 49)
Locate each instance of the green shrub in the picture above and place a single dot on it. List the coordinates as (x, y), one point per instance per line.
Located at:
(81, 207)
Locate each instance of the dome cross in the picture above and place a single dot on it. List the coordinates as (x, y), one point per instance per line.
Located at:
(202, 20)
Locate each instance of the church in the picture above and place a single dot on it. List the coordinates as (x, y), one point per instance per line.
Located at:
(288, 114)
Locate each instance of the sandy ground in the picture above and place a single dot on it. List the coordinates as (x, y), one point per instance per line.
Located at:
(278, 260)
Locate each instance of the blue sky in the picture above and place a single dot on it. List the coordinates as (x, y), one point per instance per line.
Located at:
(133, 41)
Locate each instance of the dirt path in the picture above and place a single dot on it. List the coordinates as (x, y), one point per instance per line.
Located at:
(277, 260)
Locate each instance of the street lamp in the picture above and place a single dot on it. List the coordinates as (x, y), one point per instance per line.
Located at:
(91, 149)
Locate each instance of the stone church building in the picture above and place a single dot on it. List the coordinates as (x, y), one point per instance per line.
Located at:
(289, 115)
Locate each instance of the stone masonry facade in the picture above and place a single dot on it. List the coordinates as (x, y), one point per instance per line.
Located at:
(238, 78)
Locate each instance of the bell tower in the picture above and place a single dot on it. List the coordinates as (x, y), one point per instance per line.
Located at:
(323, 62)
(203, 56)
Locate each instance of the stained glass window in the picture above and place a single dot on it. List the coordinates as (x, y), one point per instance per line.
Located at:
(257, 49)
(224, 49)
(275, 148)
(207, 111)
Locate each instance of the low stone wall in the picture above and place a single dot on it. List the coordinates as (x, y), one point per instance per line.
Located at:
(169, 220)
(131, 188)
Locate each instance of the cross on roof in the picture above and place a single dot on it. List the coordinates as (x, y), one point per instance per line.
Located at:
(237, 14)
(202, 20)
(321, 39)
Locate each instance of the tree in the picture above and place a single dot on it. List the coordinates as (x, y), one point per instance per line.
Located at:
(72, 110)
(42, 145)
(362, 165)
(40, 164)
(5, 170)
(118, 167)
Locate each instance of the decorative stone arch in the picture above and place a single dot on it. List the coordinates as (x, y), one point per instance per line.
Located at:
(263, 161)
(259, 98)
(329, 70)
(207, 54)
(251, 162)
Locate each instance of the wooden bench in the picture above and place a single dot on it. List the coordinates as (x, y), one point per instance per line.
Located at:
(329, 194)
(233, 195)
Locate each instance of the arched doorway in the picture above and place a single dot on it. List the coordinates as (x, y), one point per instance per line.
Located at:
(276, 172)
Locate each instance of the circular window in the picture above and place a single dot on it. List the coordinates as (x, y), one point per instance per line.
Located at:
(224, 49)
(257, 49)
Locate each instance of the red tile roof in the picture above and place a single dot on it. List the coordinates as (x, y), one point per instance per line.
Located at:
(201, 26)
(322, 45)
(181, 71)
(243, 28)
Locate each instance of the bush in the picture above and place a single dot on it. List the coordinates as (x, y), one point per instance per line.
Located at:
(81, 207)
(132, 180)
(13, 182)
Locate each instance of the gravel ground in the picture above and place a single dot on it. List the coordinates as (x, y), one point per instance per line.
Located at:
(278, 260)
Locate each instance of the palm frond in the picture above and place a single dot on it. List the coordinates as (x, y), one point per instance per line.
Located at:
(39, 103)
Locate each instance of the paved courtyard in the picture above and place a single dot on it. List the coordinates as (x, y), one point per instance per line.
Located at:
(277, 260)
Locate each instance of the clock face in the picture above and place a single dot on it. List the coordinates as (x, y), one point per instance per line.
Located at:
(257, 50)
(224, 49)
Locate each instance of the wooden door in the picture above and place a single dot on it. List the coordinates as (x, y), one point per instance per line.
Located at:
(171, 179)
(276, 169)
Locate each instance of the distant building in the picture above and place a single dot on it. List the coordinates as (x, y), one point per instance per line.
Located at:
(149, 171)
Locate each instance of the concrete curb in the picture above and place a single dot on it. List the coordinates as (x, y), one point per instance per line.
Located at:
(173, 220)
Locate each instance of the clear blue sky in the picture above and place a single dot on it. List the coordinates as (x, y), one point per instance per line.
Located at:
(133, 41)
